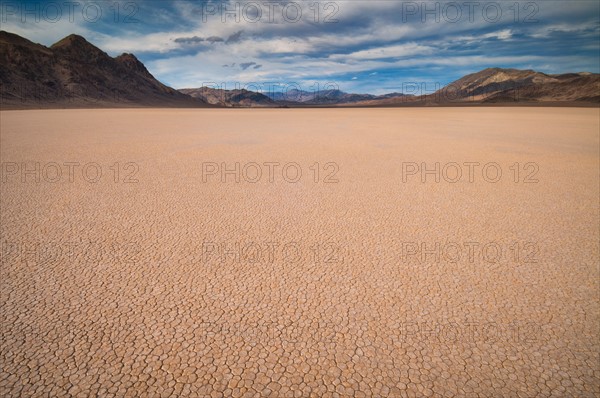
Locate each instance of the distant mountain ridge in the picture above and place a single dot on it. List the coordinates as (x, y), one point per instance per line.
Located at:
(74, 73)
(325, 97)
(230, 98)
(322, 97)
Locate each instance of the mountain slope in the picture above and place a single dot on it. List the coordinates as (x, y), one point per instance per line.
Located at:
(513, 85)
(504, 86)
(75, 73)
(230, 98)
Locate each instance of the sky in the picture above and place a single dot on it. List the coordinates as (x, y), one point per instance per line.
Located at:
(356, 46)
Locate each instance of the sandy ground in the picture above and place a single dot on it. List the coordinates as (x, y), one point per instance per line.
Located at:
(131, 269)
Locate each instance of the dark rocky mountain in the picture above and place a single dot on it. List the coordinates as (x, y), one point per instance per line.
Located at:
(230, 98)
(75, 73)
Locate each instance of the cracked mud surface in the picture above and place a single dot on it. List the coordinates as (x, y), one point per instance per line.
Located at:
(176, 287)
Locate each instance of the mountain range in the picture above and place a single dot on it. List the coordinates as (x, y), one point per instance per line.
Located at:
(511, 86)
(74, 73)
(230, 98)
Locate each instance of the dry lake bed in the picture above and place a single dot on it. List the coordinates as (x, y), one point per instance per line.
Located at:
(414, 252)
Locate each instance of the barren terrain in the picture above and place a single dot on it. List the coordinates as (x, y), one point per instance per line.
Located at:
(135, 265)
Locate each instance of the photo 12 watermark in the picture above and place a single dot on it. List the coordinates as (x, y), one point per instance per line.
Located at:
(270, 172)
(69, 11)
(214, 252)
(91, 253)
(68, 172)
(270, 12)
(449, 331)
(469, 172)
(468, 11)
(469, 252)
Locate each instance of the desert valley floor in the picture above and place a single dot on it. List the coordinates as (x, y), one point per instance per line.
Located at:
(135, 265)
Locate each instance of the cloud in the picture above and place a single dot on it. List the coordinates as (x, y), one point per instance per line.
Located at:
(580, 29)
(234, 38)
(505, 34)
(395, 51)
(501, 35)
(186, 40)
(246, 65)
(214, 39)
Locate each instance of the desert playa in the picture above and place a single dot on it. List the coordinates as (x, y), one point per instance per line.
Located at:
(403, 252)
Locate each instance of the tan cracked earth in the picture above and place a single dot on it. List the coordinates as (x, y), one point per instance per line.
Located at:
(364, 286)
